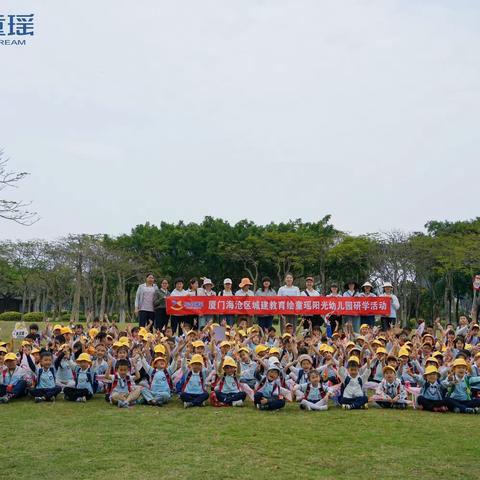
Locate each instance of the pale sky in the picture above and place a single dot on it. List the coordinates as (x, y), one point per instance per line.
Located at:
(126, 112)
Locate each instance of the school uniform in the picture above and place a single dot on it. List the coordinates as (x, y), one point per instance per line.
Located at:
(459, 393)
(270, 391)
(64, 368)
(248, 373)
(85, 385)
(227, 390)
(313, 397)
(160, 386)
(46, 386)
(432, 396)
(387, 391)
(124, 389)
(194, 388)
(12, 383)
(352, 389)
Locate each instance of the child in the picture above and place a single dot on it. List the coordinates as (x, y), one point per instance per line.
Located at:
(160, 386)
(12, 383)
(352, 394)
(248, 368)
(64, 367)
(390, 392)
(267, 392)
(432, 393)
(458, 385)
(314, 396)
(227, 389)
(123, 391)
(45, 389)
(85, 383)
(194, 393)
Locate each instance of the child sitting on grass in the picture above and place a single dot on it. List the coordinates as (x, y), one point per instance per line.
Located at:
(432, 393)
(352, 395)
(313, 394)
(160, 386)
(194, 392)
(390, 392)
(227, 390)
(123, 391)
(12, 382)
(267, 392)
(459, 384)
(85, 382)
(46, 389)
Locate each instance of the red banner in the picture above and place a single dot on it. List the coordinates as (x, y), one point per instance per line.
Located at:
(278, 305)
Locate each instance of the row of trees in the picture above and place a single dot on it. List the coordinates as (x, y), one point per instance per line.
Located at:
(97, 274)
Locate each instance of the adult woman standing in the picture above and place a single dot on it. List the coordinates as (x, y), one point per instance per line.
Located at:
(288, 290)
(388, 322)
(335, 320)
(144, 301)
(227, 292)
(193, 291)
(311, 320)
(265, 321)
(177, 320)
(351, 289)
(367, 288)
(159, 304)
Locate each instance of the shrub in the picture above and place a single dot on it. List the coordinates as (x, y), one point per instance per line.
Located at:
(33, 317)
(10, 316)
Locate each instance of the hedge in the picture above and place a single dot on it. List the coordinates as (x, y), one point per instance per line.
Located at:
(10, 317)
(34, 317)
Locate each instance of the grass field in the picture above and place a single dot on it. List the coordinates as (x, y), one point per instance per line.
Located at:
(95, 440)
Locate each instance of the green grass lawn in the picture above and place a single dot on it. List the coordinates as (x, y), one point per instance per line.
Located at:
(98, 441)
(95, 440)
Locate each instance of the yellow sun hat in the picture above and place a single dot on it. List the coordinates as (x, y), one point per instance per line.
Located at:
(196, 359)
(84, 357)
(260, 348)
(229, 362)
(431, 369)
(160, 349)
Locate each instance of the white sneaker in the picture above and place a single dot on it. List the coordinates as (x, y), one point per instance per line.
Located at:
(238, 403)
(305, 405)
(187, 404)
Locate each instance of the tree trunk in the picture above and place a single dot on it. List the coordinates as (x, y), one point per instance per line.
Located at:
(104, 295)
(78, 289)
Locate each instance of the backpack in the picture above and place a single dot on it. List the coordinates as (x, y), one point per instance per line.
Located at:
(91, 379)
(39, 376)
(347, 381)
(167, 376)
(186, 379)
